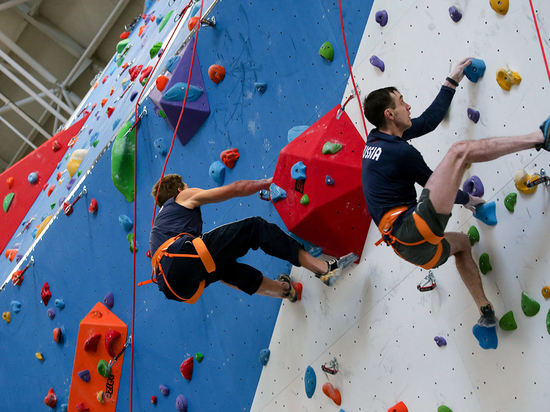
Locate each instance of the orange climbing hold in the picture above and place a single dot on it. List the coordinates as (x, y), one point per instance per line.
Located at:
(332, 393)
(192, 22)
(161, 82)
(112, 91)
(103, 101)
(50, 399)
(9, 181)
(10, 254)
(400, 407)
(216, 73)
(141, 30)
(56, 146)
(124, 35)
(229, 157)
(546, 292)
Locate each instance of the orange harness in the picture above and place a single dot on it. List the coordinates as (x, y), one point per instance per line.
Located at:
(202, 253)
(386, 226)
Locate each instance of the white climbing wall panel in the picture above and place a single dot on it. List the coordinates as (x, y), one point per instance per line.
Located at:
(374, 321)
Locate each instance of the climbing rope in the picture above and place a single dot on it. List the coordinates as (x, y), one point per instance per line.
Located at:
(540, 39)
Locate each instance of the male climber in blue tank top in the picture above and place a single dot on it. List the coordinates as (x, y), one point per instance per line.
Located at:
(180, 213)
(391, 167)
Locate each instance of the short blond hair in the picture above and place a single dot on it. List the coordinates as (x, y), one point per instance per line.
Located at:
(168, 188)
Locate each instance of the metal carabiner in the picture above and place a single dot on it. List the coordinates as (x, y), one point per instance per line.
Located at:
(128, 342)
(428, 283)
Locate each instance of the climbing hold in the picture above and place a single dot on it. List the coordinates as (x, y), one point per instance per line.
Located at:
(176, 93)
(43, 225)
(327, 51)
(161, 82)
(110, 337)
(473, 115)
(133, 96)
(32, 178)
(216, 73)
(91, 343)
(103, 102)
(155, 49)
(45, 293)
(131, 242)
(229, 157)
(455, 14)
(154, 400)
(486, 213)
(165, 20)
(545, 292)
(16, 306)
(304, 201)
(6, 316)
(171, 64)
(181, 403)
(10, 254)
(217, 172)
(276, 193)
(82, 407)
(400, 407)
(500, 6)
(520, 180)
(134, 72)
(529, 305)
(264, 356)
(329, 180)
(295, 132)
(57, 335)
(125, 222)
(487, 337)
(510, 201)
(261, 87)
(76, 159)
(440, 341)
(103, 368)
(84, 375)
(110, 111)
(7, 201)
(507, 322)
(160, 147)
(484, 264)
(122, 45)
(444, 408)
(104, 79)
(186, 368)
(506, 78)
(473, 186)
(310, 381)
(109, 300)
(39, 356)
(56, 146)
(124, 35)
(298, 171)
(93, 206)
(475, 70)
(199, 357)
(332, 393)
(51, 313)
(122, 161)
(50, 399)
(165, 390)
(59, 304)
(145, 73)
(112, 91)
(331, 148)
(70, 184)
(116, 123)
(381, 17)
(99, 397)
(298, 287)
(9, 181)
(192, 22)
(376, 62)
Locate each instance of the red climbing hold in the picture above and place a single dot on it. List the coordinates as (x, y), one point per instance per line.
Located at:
(144, 73)
(110, 338)
(400, 407)
(45, 294)
(50, 399)
(56, 146)
(154, 400)
(91, 343)
(298, 288)
(17, 278)
(50, 190)
(112, 91)
(105, 79)
(332, 393)
(148, 254)
(229, 157)
(81, 407)
(192, 22)
(134, 72)
(216, 73)
(93, 206)
(103, 101)
(124, 35)
(186, 368)
(9, 181)
(161, 82)
(57, 335)
(110, 111)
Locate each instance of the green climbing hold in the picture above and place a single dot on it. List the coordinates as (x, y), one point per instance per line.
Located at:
(165, 20)
(122, 45)
(548, 321)
(94, 144)
(119, 60)
(327, 51)
(7, 201)
(304, 200)
(161, 114)
(484, 264)
(507, 322)
(155, 49)
(510, 201)
(103, 368)
(331, 148)
(131, 242)
(53, 205)
(473, 234)
(529, 305)
(122, 161)
(444, 408)
(199, 357)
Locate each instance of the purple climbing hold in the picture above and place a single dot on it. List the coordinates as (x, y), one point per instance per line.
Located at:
(70, 183)
(51, 313)
(181, 403)
(376, 62)
(329, 180)
(473, 115)
(381, 17)
(474, 186)
(61, 201)
(84, 375)
(109, 300)
(165, 390)
(455, 14)
(440, 341)
(133, 96)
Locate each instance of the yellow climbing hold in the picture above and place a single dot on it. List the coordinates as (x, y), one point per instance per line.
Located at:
(520, 180)
(39, 356)
(75, 160)
(43, 225)
(546, 292)
(506, 78)
(500, 6)
(6, 316)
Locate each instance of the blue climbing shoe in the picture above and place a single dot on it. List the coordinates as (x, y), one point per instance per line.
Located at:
(488, 318)
(336, 266)
(291, 293)
(545, 127)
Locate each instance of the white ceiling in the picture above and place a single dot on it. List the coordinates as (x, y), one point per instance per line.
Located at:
(62, 44)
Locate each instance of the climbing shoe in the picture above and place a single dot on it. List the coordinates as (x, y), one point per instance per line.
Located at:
(545, 127)
(291, 293)
(488, 318)
(335, 268)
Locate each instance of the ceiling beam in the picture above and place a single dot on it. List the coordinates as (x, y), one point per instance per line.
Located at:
(10, 4)
(24, 115)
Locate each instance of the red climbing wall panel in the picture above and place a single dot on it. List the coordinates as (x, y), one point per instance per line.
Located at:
(336, 217)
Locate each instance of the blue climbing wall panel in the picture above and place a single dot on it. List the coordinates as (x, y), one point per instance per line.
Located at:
(84, 256)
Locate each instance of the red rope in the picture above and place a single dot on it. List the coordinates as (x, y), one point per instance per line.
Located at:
(540, 39)
(351, 71)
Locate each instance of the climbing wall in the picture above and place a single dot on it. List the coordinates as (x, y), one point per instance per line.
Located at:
(373, 321)
(85, 255)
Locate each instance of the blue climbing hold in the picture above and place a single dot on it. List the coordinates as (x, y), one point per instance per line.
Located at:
(475, 70)
(126, 222)
(487, 337)
(32, 178)
(310, 381)
(59, 303)
(133, 96)
(487, 213)
(217, 172)
(298, 171)
(177, 93)
(295, 132)
(16, 305)
(276, 193)
(94, 137)
(261, 87)
(112, 69)
(116, 123)
(264, 356)
(160, 146)
(171, 64)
